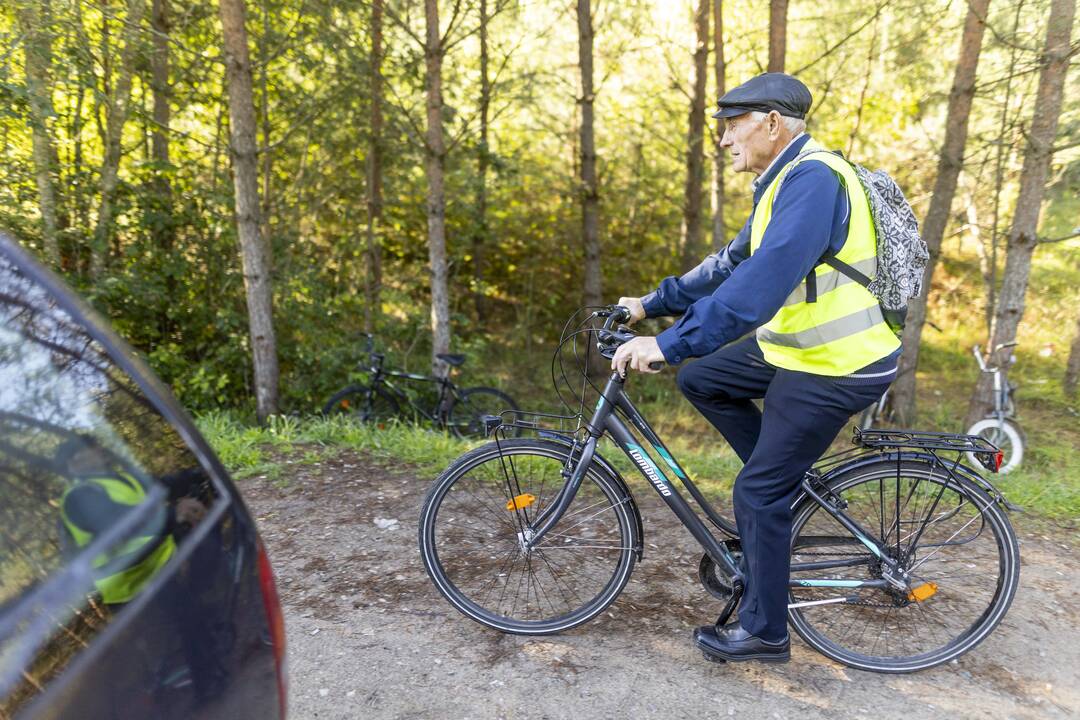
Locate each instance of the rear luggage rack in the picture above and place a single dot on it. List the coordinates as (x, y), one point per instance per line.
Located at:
(988, 454)
(922, 439)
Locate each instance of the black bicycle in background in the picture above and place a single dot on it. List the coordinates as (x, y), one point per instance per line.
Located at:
(459, 410)
(902, 557)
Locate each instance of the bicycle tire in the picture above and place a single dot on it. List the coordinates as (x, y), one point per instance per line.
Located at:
(367, 403)
(1006, 436)
(948, 599)
(465, 416)
(447, 522)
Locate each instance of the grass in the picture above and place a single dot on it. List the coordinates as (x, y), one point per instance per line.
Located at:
(1047, 485)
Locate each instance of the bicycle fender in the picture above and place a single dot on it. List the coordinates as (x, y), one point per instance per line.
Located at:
(617, 479)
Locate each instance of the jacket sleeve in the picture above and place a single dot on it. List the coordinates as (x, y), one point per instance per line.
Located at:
(809, 206)
(676, 294)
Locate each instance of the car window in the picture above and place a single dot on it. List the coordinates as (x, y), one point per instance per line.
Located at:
(83, 453)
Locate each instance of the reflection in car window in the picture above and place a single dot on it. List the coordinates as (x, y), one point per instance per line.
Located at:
(81, 448)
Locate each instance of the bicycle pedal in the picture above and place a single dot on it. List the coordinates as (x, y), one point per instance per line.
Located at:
(713, 658)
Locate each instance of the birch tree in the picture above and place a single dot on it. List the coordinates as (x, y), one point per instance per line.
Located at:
(373, 278)
(435, 165)
(254, 250)
(692, 246)
(589, 192)
(35, 23)
(1022, 239)
(719, 232)
(950, 163)
(777, 34)
(480, 228)
(117, 110)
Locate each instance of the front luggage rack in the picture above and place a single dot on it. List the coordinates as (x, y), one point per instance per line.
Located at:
(538, 422)
(988, 454)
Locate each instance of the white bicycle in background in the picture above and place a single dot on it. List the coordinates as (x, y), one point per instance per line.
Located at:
(999, 427)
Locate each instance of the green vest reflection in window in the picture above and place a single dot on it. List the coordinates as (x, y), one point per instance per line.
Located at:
(100, 495)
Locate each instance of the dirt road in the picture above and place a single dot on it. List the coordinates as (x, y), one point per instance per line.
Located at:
(369, 637)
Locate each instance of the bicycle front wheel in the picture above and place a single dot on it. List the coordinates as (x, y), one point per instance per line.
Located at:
(953, 541)
(471, 529)
(367, 403)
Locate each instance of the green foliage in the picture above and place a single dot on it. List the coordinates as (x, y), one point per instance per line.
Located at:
(173, 285)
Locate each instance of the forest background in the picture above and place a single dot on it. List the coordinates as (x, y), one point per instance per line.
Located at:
(245, 187)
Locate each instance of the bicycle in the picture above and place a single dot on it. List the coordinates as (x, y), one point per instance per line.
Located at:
(999, 427)
(459, 410)
(901, 558)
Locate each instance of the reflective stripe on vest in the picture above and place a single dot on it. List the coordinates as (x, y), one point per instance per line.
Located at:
(843, 330)
(123, 585)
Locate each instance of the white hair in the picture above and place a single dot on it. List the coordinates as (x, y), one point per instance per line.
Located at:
(794, 125)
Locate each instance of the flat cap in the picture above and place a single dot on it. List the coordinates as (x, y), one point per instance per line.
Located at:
(770, 91)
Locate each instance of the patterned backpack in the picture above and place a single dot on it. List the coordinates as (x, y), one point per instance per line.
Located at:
(901, 252)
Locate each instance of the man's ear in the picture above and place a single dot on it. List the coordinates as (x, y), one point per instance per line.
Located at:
(775, 124)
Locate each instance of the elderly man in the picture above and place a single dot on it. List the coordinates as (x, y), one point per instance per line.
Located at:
(814, 343)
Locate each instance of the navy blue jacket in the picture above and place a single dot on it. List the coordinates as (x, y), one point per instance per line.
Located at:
(731, 292)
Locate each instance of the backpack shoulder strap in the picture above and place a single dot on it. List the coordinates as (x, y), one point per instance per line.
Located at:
(842, 267)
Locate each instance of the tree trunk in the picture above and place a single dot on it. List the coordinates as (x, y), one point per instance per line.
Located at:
(719, 232)
(777, 34)
(1072, 369)
(373, 277)
(435, 150)
(163, 228)
(118, 107)
(480, 229)
(950, 163)
(692, 237)
(254, 250)
(35, 23)
(590, 194)
(1022, 236)
(266, 153)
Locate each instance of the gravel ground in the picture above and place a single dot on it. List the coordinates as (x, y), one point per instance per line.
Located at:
(370, 637)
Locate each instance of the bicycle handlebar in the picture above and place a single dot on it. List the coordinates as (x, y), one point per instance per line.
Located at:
(979, 358)
(609, 340)
(982, 361)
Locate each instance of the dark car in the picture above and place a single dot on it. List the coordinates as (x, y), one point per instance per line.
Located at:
(133, 583)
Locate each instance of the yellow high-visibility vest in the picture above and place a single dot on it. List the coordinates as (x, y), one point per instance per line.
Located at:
(122, 586)
(843, 330)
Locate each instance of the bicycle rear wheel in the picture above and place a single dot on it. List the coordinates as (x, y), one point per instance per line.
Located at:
(466, 415)
(953, 540)
(470, 539)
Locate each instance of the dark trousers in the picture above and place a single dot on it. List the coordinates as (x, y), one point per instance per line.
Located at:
(803, 414)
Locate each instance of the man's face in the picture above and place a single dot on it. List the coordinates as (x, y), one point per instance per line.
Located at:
(752, 141)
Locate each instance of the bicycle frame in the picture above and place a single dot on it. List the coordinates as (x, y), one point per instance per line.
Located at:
(606, 419)
(447, 389)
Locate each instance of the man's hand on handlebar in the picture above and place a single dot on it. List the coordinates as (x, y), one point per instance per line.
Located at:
(637, 310)
(638, 354)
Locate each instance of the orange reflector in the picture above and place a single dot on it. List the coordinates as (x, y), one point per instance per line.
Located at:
(923, 592)
(521, 501)
(345, 403)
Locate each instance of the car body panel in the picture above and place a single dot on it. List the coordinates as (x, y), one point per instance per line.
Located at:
(197, 639)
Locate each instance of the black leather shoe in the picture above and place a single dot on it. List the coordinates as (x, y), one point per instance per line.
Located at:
(732, 643)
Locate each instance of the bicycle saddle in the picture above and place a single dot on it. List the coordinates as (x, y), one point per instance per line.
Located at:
(449, 359)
